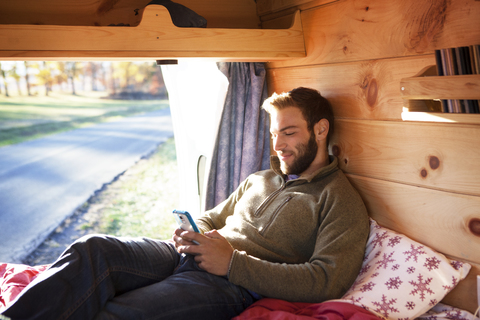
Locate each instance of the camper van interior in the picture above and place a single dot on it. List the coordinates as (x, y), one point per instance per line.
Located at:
(410, 154)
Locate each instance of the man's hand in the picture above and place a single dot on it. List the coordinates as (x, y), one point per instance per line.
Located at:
(212, 253)
(179, 240)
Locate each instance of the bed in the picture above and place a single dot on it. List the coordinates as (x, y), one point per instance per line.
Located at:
(400, 279)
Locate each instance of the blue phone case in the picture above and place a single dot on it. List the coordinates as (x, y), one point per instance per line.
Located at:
(185, 221)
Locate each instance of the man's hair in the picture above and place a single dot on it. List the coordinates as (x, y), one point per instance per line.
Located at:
(313, 106)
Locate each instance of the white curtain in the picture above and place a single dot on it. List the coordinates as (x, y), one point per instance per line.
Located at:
(196, 90)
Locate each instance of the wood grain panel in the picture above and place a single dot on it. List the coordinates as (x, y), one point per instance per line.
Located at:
(156, 35)
(444, 87)
(362, 90)
(437, 219)
(219, 14)
(265, 7)
(439, 156)
(284, 22)
(372, 29)
(226, 14)
(81, 12)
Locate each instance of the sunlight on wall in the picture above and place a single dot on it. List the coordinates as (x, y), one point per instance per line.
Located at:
(428, 116)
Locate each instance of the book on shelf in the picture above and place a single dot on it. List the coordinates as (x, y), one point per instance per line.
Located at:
(439, 62)
(475, 62)
(464, 66)
(458, 61)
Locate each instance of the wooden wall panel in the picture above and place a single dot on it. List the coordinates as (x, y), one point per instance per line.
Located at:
(226, 14)
(421, 179)
(437, 219)
(265, 7)
(362, 90)
(439, 156)
(371, 29)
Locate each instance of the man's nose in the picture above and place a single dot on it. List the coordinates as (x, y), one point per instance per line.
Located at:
(278, 144)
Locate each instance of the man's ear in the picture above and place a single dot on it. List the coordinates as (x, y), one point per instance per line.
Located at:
(321, 129)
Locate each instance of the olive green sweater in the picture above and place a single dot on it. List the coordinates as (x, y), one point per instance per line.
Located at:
(300, 240)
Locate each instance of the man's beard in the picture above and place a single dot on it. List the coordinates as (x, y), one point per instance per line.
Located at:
(306, 154)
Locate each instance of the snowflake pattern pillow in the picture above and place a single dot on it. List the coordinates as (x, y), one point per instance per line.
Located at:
(401, 278)
(445, 312)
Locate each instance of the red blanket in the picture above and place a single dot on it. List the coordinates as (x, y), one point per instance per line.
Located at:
(274, 309)
(15, 277)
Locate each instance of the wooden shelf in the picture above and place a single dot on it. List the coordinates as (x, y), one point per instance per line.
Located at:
(154, 38)
(441, 87)
(419, 91)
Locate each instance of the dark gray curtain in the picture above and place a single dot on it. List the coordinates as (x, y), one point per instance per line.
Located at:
(243, 141)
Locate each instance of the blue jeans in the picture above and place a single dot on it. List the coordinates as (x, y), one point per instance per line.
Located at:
(103, 277)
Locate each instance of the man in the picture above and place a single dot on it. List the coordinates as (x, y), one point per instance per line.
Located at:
(296, 232)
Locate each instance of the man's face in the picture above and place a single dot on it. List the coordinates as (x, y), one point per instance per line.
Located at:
(294, 144)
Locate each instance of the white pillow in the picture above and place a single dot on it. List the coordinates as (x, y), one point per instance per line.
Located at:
(401, 278)
(445, 312)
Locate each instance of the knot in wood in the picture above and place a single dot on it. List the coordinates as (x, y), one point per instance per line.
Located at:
(434, 162)
(372, 92)
(336, 150)
(424, 173)
(474, 226)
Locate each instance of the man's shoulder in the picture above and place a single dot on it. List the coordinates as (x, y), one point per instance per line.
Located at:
(338, 186)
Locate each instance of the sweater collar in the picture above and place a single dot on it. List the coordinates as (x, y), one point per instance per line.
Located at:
(324, 171)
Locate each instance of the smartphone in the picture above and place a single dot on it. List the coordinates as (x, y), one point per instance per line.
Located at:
(185, 221)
